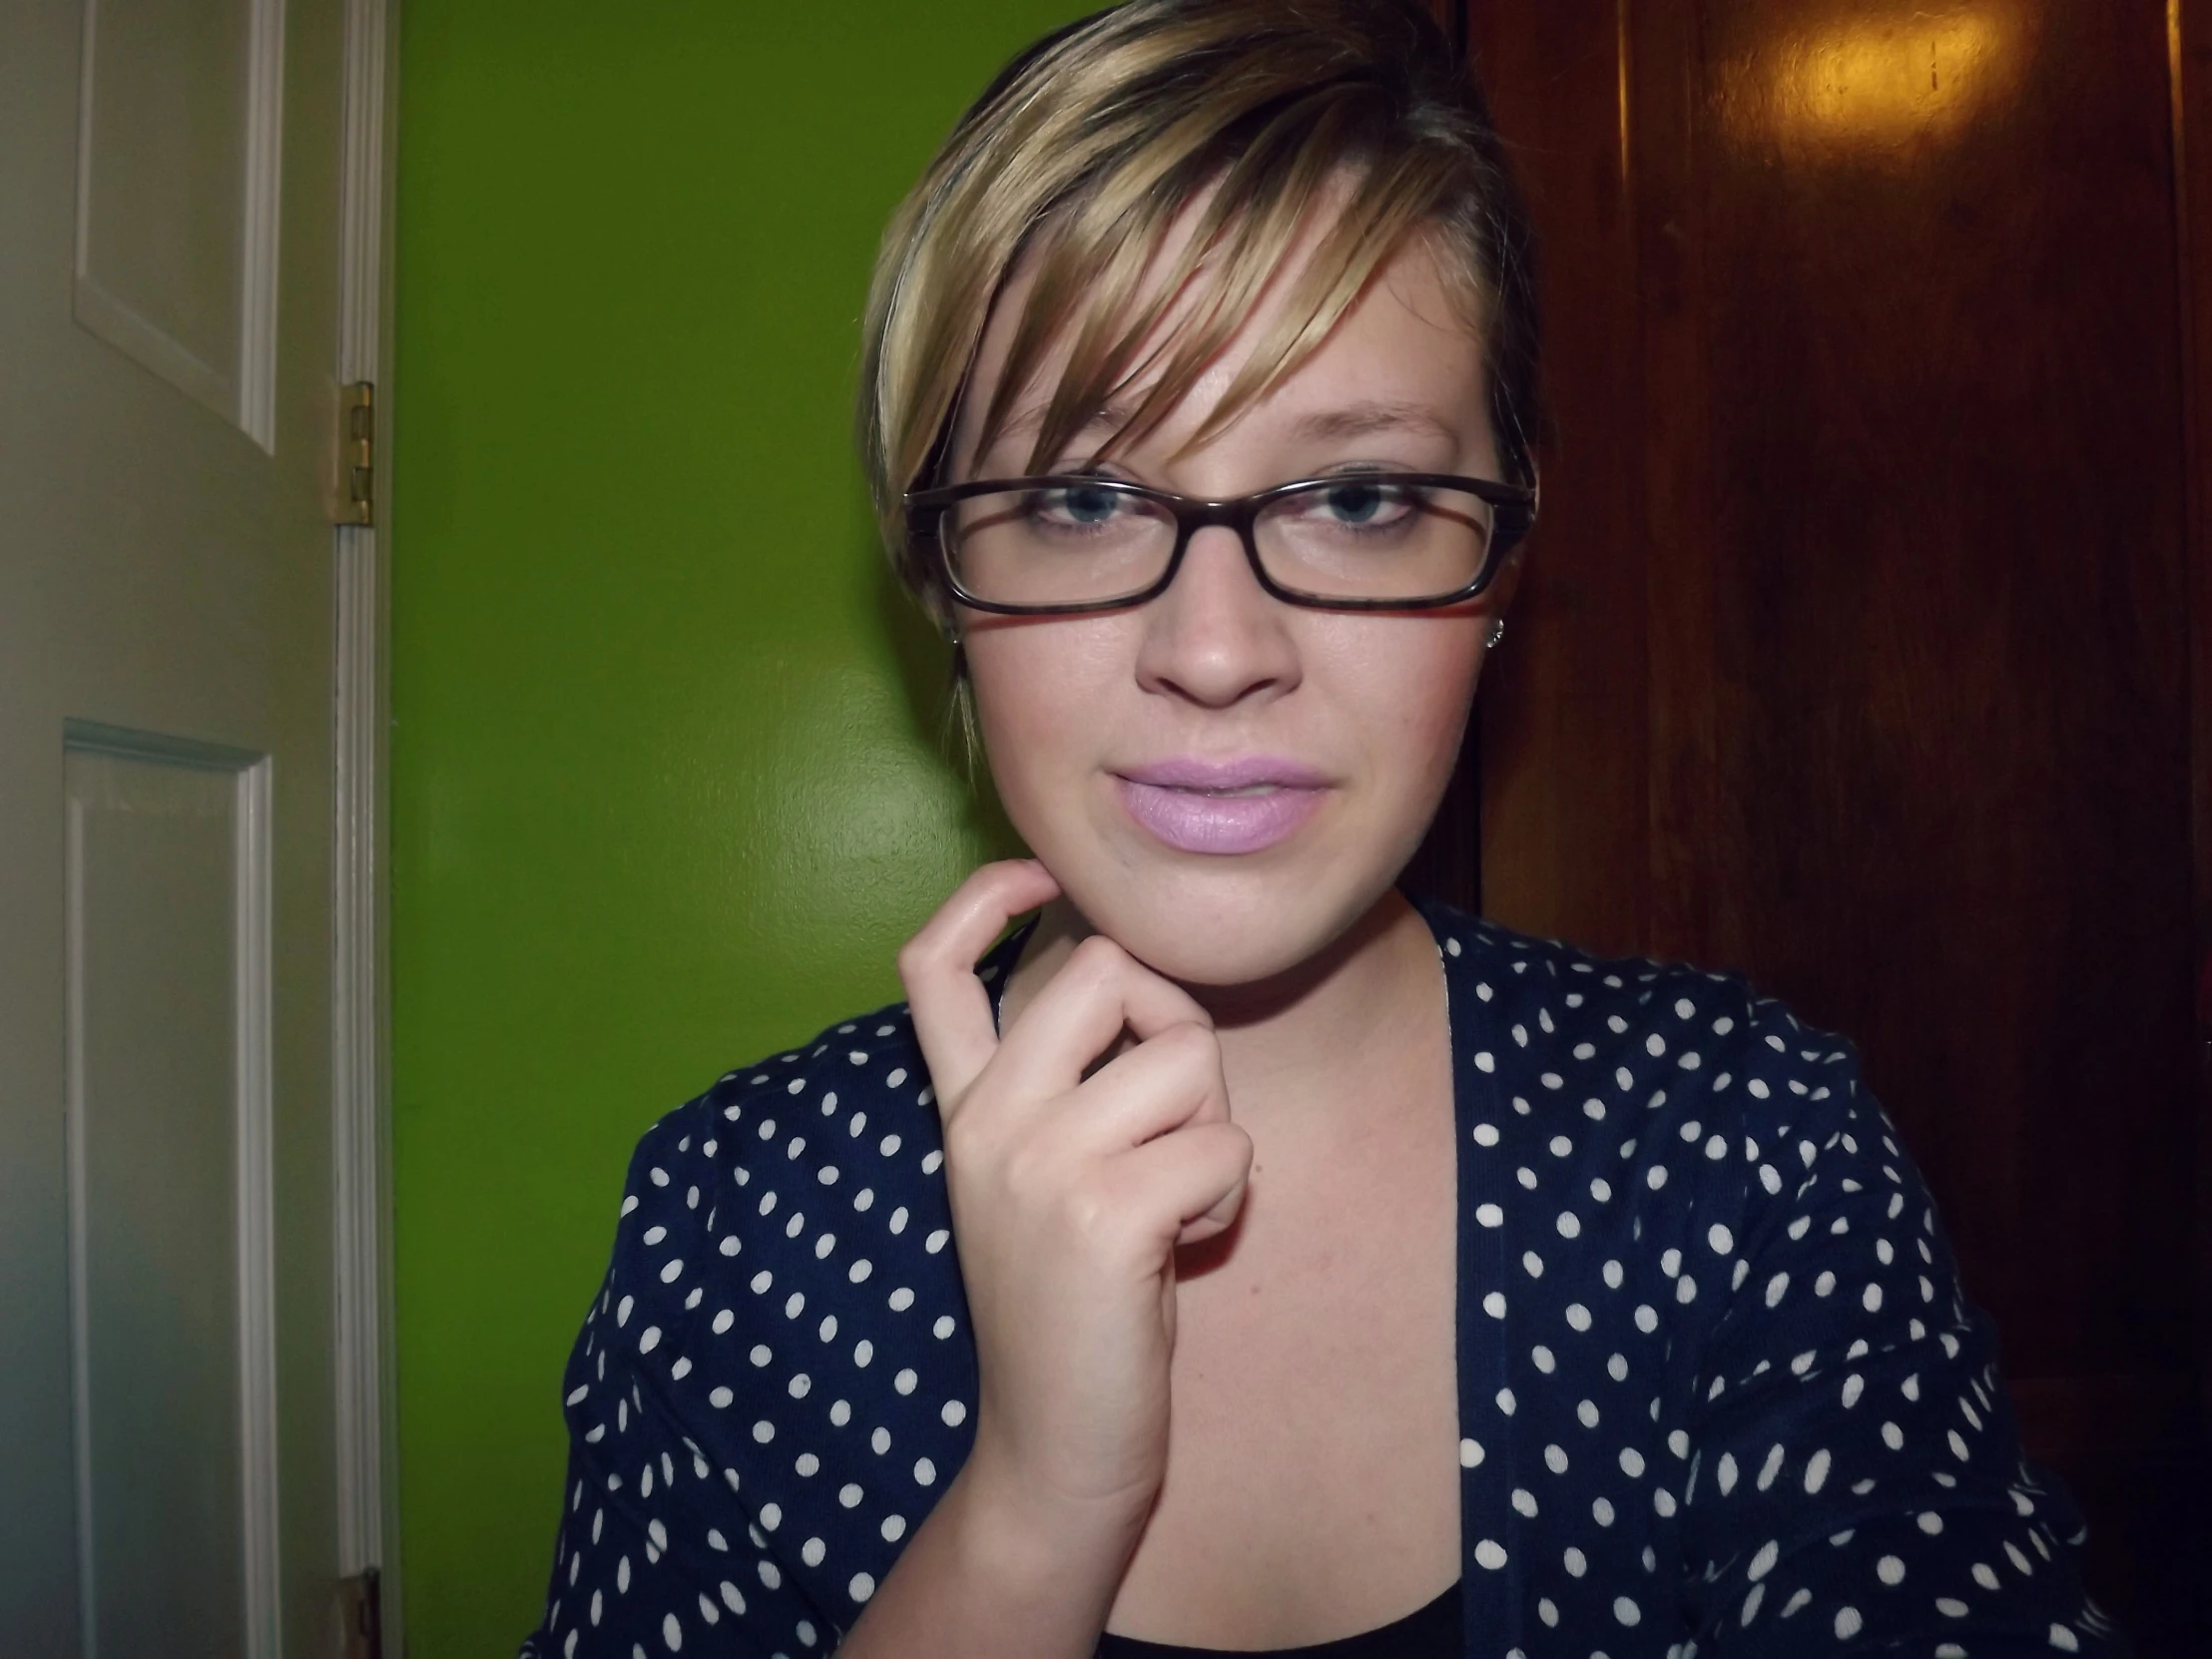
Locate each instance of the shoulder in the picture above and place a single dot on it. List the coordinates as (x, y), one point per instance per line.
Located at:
(1664, 1116)
(786, 1297)
(813, 1173)
(1599, 1034)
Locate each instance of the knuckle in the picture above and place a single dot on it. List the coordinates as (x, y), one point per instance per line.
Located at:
(915, 958)
(1098, 957)
(1092, 1214)
(1190, 1043)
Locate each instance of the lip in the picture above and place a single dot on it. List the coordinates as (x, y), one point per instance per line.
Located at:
(1180, 801)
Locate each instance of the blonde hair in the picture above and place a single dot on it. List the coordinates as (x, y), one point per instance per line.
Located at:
(1090, 145)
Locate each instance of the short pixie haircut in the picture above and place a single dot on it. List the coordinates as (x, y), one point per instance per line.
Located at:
(1091, 144)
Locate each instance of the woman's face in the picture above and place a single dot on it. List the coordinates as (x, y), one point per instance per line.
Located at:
(1221, 782)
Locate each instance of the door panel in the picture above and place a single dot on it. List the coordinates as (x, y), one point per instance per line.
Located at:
(165, 568)
(168, 1130)
(180, 150)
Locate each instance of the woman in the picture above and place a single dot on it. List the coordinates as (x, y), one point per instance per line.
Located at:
(1334, 1273)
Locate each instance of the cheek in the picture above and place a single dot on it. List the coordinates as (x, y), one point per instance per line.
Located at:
(1405, 684)
(1039, 690)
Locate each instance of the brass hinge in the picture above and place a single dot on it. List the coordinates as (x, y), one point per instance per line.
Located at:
(356, 492)
(359, 1606)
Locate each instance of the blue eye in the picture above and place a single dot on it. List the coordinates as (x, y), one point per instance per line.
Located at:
(1088, 506)
(1355, 503)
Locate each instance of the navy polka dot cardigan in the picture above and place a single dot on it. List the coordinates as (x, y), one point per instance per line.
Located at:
(1719, 1391)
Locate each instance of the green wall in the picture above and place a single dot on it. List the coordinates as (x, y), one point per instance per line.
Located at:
(666, 783)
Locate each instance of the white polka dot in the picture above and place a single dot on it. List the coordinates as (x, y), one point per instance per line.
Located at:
(1490, 1554)
(1471, 1455)
(1489, 1215)
(1889, 1570)
(862, 1587)
(1816, 1471)
(1627, 1611)
(720, 1398)
(1720, 1239)
(1847, 1623)
(672, 1633)
(954, 1413)
(2063, 1639)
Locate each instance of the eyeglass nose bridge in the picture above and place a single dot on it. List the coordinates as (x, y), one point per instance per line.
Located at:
(1192, 516)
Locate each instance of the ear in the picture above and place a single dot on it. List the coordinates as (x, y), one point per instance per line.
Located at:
(1498, 599)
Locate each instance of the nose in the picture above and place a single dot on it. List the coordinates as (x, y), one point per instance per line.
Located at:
(1217, 638)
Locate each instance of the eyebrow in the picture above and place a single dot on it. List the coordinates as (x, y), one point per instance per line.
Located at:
(1025, 423)
(1358, 420)
(1353, 420)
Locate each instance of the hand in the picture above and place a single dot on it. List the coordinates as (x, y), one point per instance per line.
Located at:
(1069, 1198)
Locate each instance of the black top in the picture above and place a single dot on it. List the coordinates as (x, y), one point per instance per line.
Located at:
(1430, 1632)
(1718, 1388)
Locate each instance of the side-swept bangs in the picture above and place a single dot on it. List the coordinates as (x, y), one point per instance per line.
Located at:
(1249, 116)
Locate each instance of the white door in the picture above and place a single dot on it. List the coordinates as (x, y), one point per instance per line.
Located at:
(169, 333)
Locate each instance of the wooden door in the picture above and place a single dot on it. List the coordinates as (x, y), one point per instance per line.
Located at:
(1857, 648)
(168, 305)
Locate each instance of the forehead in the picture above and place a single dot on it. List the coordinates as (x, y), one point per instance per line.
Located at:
(1405, 354)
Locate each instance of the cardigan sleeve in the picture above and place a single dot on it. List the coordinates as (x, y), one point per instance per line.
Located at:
(659, 1551)
(1857, 1481)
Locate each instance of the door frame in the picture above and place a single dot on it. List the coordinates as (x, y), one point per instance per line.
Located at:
(364, 1361)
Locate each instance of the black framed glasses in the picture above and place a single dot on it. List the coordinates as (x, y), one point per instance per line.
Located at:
(1359, 541)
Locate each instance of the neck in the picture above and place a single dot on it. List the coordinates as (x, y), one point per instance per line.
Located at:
(1292, 1043)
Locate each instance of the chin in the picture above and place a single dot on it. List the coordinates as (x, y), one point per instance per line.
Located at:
(1225, 920)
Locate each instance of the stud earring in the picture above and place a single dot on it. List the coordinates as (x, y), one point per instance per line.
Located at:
(1497, 632)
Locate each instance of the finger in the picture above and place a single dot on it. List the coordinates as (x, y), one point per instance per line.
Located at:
(952, 1009)
(1081, 1010)
(1191, 1184)
(1169, 1080)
